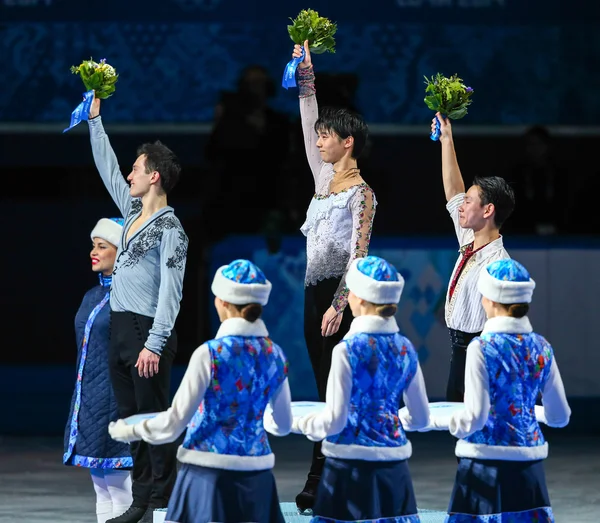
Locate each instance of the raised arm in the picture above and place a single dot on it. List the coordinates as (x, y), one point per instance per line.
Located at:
(173, 257)
(106, 161)
(362, 205)
(451, 175)
(309, 113)
(333, 418)
(169, 424)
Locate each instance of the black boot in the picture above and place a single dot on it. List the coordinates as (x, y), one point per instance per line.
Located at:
(305, 501)
(133, 515)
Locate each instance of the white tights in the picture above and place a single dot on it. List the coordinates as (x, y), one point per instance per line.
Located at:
(113, 492)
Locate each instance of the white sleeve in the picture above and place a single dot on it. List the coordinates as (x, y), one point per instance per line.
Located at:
(309, 113)
(279, 421)
(464, 236)
(108, 166)
(556, 410)
(477, 395)
(417, 404)
(168, 425)
(333, 418)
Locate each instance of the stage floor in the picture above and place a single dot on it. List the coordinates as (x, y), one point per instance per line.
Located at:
(36, 488)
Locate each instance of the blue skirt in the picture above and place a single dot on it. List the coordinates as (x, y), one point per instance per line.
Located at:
(356, 490)
(203, 495)
(494, 491)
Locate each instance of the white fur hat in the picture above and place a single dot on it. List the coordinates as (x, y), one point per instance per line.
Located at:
(506, 282)
(375, 280)
(109, 229)
(241, 282)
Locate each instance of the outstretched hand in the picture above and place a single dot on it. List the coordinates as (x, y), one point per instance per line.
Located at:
(445, 126)
(95, 107)
(120, 431)
(307, 62)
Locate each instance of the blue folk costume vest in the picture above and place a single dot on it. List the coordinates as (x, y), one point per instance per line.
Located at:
(518, 363)
(247, 370)
(518, 366)
(383, 364)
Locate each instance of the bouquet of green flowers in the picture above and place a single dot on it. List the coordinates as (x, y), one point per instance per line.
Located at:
(99, 77)
(449, 96)
(318, 30)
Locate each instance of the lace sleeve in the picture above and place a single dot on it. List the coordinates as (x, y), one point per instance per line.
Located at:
(362, 206)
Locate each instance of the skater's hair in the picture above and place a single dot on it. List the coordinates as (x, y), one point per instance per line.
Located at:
(161, 159)
(387, 310)
(516, 310)
(250, 312)
(495, 190)
(344, 123)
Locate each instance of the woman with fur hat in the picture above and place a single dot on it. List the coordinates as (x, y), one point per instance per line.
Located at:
(93, 404)
(366, 475)
(226, 460)
(501, 447)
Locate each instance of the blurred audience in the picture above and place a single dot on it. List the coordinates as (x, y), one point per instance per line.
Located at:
(246, 154)
(540, 185)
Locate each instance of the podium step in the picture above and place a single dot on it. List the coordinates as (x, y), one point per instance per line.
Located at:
(290, 514)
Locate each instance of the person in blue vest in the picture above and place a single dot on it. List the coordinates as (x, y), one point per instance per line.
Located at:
(226, 459)
(366, 475)
(93, 404)
(501, 447)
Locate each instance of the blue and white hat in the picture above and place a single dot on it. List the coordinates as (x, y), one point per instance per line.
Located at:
(506, 282)
(241, 282)
(375, 280)
(108, 229)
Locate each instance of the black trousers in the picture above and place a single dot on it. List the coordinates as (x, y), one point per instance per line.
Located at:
(154, 466)
(455, 390)
(317, 299)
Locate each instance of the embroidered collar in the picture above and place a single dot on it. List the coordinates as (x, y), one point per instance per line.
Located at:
(508, 325)
(372, 324)
(346, 191)
(487, 250)
(242, 327)
(135, 213)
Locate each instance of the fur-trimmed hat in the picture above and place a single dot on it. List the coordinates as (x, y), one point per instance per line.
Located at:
(108, 229)
(506, 282)
(375, 280)
(241, 282)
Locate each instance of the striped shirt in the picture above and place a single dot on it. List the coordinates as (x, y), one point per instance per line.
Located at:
(464, 311)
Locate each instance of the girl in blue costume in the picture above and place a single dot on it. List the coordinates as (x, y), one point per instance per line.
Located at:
(226, 458)
(93, 405)
(501, 449)
(366, 475)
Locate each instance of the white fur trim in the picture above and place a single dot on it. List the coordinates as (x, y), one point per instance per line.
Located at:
(242, 327)
(465, 449)
(374, 291)
(225, 461)
(371, 324)
(502, 291)
(335, 450)
(508, 325)
(239, 293)
(108, 230)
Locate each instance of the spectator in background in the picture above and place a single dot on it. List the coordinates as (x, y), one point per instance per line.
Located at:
(538, 183)
(247, 152)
